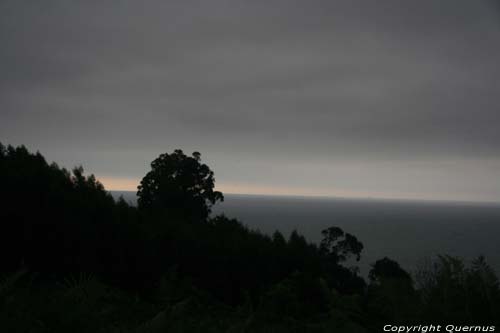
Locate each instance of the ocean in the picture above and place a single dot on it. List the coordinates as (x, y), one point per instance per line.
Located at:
(410, 232)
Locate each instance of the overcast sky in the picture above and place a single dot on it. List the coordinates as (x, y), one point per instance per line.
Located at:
(344, 98)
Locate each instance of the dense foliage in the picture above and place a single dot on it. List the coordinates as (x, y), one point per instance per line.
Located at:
(72, 259)
(179, 185)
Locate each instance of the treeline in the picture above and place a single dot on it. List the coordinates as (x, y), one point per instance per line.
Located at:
(74, 259)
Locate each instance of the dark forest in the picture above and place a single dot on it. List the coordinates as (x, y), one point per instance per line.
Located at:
(73, 259)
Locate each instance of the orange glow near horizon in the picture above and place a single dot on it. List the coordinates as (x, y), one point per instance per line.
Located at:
(130, 184)
(119, 184)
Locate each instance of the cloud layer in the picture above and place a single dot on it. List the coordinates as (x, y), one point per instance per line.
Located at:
(331, 97)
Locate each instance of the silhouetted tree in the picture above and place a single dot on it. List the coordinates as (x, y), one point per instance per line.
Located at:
(386, 268)
(179, 185)
(451, 291)
(391, 295)
(339, 245)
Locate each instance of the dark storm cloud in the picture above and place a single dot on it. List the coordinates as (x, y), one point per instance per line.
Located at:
(326, 82)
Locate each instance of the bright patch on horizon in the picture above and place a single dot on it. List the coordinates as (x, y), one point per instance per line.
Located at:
(130, 184)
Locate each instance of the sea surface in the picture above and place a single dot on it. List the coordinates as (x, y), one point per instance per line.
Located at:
(410, 232)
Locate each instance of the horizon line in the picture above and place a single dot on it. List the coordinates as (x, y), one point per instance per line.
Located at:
(368, 198)
(130, 185)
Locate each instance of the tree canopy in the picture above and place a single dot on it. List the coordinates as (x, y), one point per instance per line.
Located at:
(179, 185)
(339, 245)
